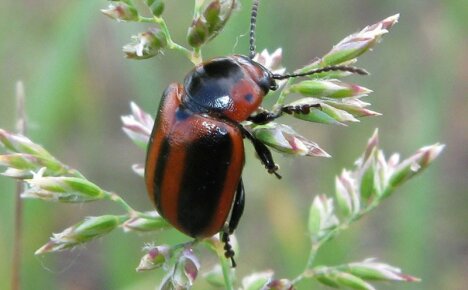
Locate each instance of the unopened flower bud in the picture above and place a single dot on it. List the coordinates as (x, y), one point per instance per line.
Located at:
(328, 89)
(284, 139)
(371, 270)
(414, 165)
(322, 218)
(356, 44)
(21, 144)
(85, 231)
(367, 175)
(186, 269)
(336, 278)
(121, 11)
(217, 14)
(62, 189)
(282, 284)
(212, 15)
(197, 33)
(21, 165)
(211, 21)
(257, 280)
(354, 106)
(345, 194)
(138, 125)
(327, 280)
(351, 281)
(156, 6)
(146, 44)
(155, 257)
(381, 174)
(145, 224)
(371, 149)
(272, 61)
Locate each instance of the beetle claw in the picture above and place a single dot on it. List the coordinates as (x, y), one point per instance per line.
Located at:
(272, 170)
(277, 175)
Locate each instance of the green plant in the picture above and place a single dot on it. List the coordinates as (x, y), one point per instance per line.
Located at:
(358, 191)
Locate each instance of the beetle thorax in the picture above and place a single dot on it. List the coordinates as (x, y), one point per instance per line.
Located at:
(232, 87)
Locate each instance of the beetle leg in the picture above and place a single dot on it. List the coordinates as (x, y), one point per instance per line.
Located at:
(237, 208)
(228, 251)
(236, 213)
(263, 153)
(300, 109)
(265, 116)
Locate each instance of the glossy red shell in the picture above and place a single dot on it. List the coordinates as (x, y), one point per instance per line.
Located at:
(193, 167)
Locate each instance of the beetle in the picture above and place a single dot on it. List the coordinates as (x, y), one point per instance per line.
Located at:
(195, 155)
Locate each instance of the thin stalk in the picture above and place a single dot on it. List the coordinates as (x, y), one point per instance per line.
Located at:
(120, 201)
(217, 248)
(310, 261)
(197, 56)
(171, 44)
(131, 211)
(197, 8)
(194, 57)
(17, 244)
(226, 268)
(316, 245)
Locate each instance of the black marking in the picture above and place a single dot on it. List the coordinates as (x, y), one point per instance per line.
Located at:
(182, 114)
(163, 156)
(220, 68)
(206, 166)
(208, 87)
(248, 98)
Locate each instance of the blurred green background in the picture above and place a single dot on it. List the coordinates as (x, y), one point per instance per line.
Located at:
(78, 84)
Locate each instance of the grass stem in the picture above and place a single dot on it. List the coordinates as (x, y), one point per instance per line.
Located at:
(18, 234)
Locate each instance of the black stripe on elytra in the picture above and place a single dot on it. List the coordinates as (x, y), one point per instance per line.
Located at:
(163, 156)
(206, 165)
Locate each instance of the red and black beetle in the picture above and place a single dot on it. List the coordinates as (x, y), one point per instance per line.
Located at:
(196, 153)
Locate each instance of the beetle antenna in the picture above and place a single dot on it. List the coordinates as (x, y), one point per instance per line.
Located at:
(345, 68)
(253, 23)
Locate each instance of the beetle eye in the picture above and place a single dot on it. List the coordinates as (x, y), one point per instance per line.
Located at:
(267, 82)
